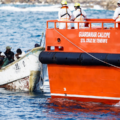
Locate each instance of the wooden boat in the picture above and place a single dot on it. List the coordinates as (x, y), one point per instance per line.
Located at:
(24, 73)
(84, 63)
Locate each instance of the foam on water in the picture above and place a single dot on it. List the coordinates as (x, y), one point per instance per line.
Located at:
(98, 7)
(41, 7)
(36, 8)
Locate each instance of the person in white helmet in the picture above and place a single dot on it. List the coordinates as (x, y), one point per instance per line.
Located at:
(79, 16)
(64, 15)
(117, 12)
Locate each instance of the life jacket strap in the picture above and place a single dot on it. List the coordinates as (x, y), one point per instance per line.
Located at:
(79, 15)
(65, 14)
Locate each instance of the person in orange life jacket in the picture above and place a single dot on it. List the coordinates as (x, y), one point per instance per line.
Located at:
(64, 15)
(79, 16)
(117, 13)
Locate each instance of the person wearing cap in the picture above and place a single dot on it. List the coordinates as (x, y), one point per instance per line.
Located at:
(64, 14)
(9, 54)
(78, 16)
(117, 12)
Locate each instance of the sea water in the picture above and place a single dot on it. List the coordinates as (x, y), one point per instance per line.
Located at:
(21, 26)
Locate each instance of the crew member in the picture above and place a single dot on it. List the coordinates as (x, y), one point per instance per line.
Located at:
(117, 12)
(19, 54)
(37, 45)
(2, 57)
(78, 16)
(64, 15)
(9, 54)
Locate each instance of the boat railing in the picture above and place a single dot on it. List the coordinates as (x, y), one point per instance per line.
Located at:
(89, 24)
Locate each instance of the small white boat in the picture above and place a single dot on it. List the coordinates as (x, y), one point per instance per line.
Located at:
(24, 73)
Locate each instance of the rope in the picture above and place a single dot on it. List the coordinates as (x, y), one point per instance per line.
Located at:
(87, 52)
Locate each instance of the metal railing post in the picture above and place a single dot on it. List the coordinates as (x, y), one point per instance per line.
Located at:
(115, 25)
(55, 25)
(66, 25)
(90, 25)
(78, 25)
(102, 26)
(47, 24)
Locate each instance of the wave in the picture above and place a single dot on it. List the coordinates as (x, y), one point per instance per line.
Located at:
(98, 7)
(12, 8)
(48, 8)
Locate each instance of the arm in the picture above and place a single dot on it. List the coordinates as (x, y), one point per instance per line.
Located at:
(71, 15)
(85, 15)
(115, 14)
(59, 16)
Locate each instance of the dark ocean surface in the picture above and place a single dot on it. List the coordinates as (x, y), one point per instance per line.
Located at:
(21, 26)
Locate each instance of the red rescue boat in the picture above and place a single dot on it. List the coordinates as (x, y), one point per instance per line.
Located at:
(84, 63)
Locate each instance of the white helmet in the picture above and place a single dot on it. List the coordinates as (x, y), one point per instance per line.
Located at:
(118, 2)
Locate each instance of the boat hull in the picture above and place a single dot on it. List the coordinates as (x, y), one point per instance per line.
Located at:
(24, 73)
(29, 83)
(98, 83)
(84, 63)
(22, 84)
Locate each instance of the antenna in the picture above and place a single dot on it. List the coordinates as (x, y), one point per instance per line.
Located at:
(41, 38)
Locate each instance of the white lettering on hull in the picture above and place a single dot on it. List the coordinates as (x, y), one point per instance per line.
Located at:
(90, 40)
(87, 34)
(94, 37)
(104, 35)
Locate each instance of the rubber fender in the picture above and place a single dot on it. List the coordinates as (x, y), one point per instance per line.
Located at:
(113, 59)
(89, 60)
(67, 58)
(79, 58)
(47, 57)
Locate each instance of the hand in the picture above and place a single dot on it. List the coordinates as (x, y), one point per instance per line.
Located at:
(17, 56)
